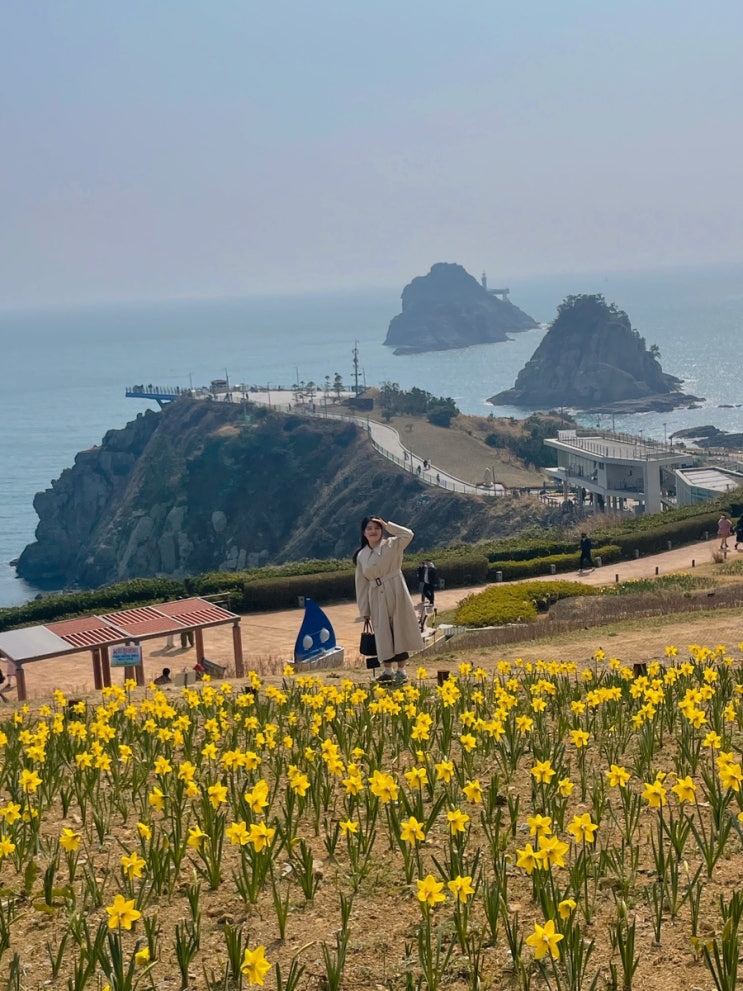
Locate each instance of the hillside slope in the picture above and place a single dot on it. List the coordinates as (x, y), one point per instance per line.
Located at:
(205, 486)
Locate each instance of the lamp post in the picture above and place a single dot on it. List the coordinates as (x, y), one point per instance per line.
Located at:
(665, 435)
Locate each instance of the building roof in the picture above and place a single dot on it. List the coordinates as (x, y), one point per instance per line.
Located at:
(712, 479)
(613, 448)
(36, 643)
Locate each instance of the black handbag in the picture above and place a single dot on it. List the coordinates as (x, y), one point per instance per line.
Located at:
(368, 645)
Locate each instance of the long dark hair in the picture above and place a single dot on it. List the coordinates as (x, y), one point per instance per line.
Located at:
(364, 542)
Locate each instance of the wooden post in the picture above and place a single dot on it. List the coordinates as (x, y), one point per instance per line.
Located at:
(105, 667)
(237, 646)
(20, 682)
(97, 672)
(199, 644)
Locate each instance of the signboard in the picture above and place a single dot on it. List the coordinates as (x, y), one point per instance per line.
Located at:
(126, 655)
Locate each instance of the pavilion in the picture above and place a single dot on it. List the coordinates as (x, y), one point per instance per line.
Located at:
(128, 626)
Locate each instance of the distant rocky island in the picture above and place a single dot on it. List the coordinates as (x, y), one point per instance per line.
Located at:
(591, 359)
(449, 308)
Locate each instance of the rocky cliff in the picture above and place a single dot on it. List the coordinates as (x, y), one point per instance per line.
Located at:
(448, 308)
(205, 486)
(591, 359)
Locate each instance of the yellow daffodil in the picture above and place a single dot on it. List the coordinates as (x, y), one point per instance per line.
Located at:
(69, 840)
(133, 865)
(539, 825)
(566, 907)
(617, 776)
(254, 965)
(411, 831)
(654, 794)
(461, 888)
(196, 837)
(582, 828)
(544, 940)
(473, 791)
(430, 891)
(543, 772)
(457, 821)
(122, 913)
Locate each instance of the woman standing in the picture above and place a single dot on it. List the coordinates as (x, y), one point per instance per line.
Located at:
(383, 596)
(724, 529)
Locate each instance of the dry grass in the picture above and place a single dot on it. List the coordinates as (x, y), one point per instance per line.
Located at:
(459, 451)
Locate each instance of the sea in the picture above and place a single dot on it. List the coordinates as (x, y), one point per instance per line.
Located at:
(64, 372)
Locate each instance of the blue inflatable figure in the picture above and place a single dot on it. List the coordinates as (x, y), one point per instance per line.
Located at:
(316, 635)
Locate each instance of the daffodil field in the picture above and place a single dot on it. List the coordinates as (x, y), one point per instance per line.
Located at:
(538, 825)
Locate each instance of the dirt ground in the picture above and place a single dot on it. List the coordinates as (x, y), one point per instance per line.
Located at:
(268, 641)
(268, 638)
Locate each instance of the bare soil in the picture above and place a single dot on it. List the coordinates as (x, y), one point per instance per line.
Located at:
(385, 914)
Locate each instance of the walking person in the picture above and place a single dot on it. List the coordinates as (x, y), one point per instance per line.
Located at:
(427, 581)
(585, 553)
(739, 533)
(383, 596)
(724, 529)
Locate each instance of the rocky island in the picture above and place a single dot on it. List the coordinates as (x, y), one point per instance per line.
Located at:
(591, 359)
(449, 308)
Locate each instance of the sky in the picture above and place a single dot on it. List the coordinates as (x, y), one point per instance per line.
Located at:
(178, 149)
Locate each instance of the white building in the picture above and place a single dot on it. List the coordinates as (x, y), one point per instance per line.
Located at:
(616, 472)
(695, 485)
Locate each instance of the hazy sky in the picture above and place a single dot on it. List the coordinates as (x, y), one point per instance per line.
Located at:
(171, 148)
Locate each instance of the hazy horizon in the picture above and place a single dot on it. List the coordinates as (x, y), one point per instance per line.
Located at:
(184, 151)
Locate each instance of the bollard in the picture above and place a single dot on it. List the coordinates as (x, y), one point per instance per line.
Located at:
(616, 579)
(598, 562)
(300, 601)
(637, 553)
(669, 545)
(499, 576)
(553, 569)
(442, 583)
(693, 563)
(656, 569)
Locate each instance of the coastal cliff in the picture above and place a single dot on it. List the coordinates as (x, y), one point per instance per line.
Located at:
(205, 486)
(591, 359)
(448, 308)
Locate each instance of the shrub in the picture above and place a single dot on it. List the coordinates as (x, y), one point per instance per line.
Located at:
(502, 604)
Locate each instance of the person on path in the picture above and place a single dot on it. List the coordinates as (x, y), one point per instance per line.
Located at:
(383, 597)
(585, 553)
(724, 529)
(427, 581)
(739, 533)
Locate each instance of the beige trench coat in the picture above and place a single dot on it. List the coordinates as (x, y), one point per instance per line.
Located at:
(382, 594)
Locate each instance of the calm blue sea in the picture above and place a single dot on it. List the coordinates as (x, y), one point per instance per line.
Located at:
(63, 372)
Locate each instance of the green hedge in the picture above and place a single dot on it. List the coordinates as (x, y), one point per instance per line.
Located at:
(516, 570)
(656, 540)
(284, 593)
